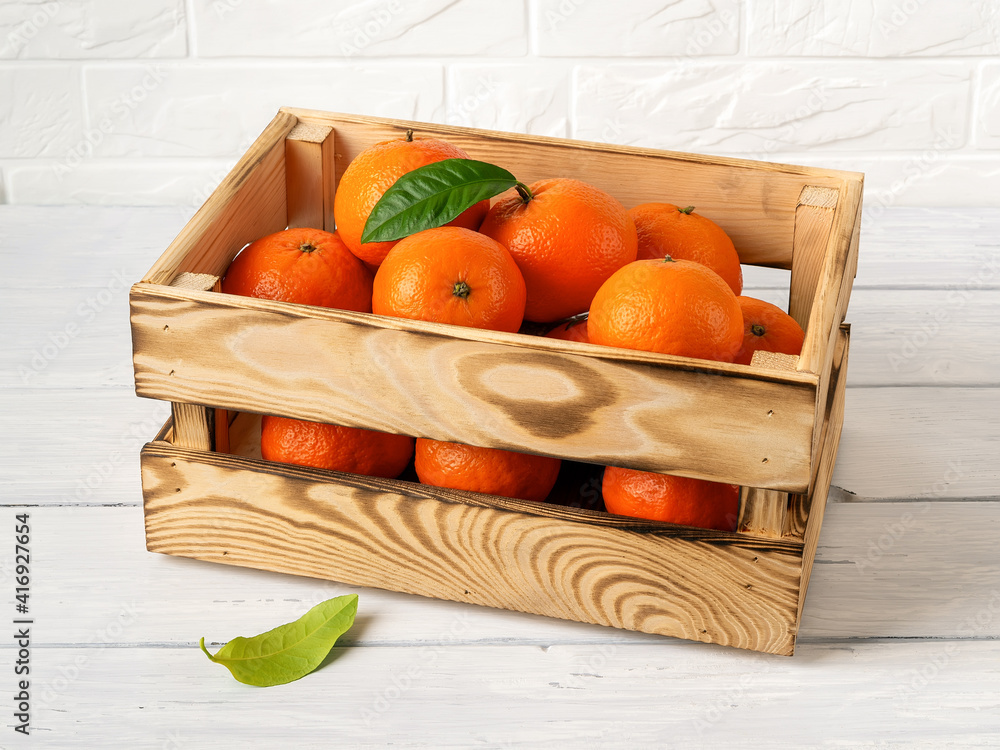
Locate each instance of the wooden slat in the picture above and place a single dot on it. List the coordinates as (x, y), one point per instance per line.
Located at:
(764, 512)
(194, 426)
(598, 404)
(249, 204)
(813, 223)
(560, 562)
(922, 695)
(753, 201)
(304, 180)
(812, 507)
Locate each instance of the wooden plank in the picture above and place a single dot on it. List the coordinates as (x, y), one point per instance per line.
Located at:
(560, 562)
(597, 404)
(305, 186)
(763, 512)
(833, 292)
(813, 224)
(249, 204)
(882, 570)
(911, 337)
(753, 201)
(807, 511)
(194, 426)
(916, 695)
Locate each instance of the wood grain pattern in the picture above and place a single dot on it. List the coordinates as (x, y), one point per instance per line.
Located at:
(665, 580)
(753, 201)
(813, 224)
(561, 562)
(249, 204)
(504, 695)
(807, 510)
(611, 407)
(763, 512)
(195, 426)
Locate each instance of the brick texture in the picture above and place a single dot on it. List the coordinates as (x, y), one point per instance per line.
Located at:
(108, 101)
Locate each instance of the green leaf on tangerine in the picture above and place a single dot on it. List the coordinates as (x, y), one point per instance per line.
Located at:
(289, 651)
(433, 195)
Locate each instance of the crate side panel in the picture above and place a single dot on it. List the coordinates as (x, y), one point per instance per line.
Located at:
(248, 204)
(753, 201)
(363, 371)
(360, 532)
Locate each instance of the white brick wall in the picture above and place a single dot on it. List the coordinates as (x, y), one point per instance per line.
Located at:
(151, 101)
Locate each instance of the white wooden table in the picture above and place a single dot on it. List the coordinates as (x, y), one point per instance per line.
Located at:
(898, 646)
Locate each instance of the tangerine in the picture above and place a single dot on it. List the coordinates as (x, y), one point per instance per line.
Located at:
(668, 306)
(490, 470)
(666, 497)
(664, 229)
(302, 265)
(571, 330)
(567, 238)
(451, 275)
(328, 446)
(374, 171)
(767, 328)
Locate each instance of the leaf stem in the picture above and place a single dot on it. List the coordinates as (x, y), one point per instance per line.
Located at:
(524, 191)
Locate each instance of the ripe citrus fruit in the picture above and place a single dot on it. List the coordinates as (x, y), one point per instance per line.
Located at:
(767, 328)
(306, 266)
(665, 497)
(668, 306)
(489, 470)
(567, 239)
(372, 172)
(665, 229)
(327, 446)
(574, 330)
(451, 275)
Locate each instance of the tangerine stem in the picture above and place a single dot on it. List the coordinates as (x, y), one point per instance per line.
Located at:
(461, 289)
(409, 136)
(524, 191)
(687, 210)
(757, 330)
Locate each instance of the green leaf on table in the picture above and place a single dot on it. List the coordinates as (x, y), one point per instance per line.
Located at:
(289, 651)
(432, 195)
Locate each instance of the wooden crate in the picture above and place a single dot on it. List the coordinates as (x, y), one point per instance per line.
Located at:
(772, 427)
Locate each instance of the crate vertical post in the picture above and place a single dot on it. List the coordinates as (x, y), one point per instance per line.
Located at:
(309, 176)
(195, 426)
